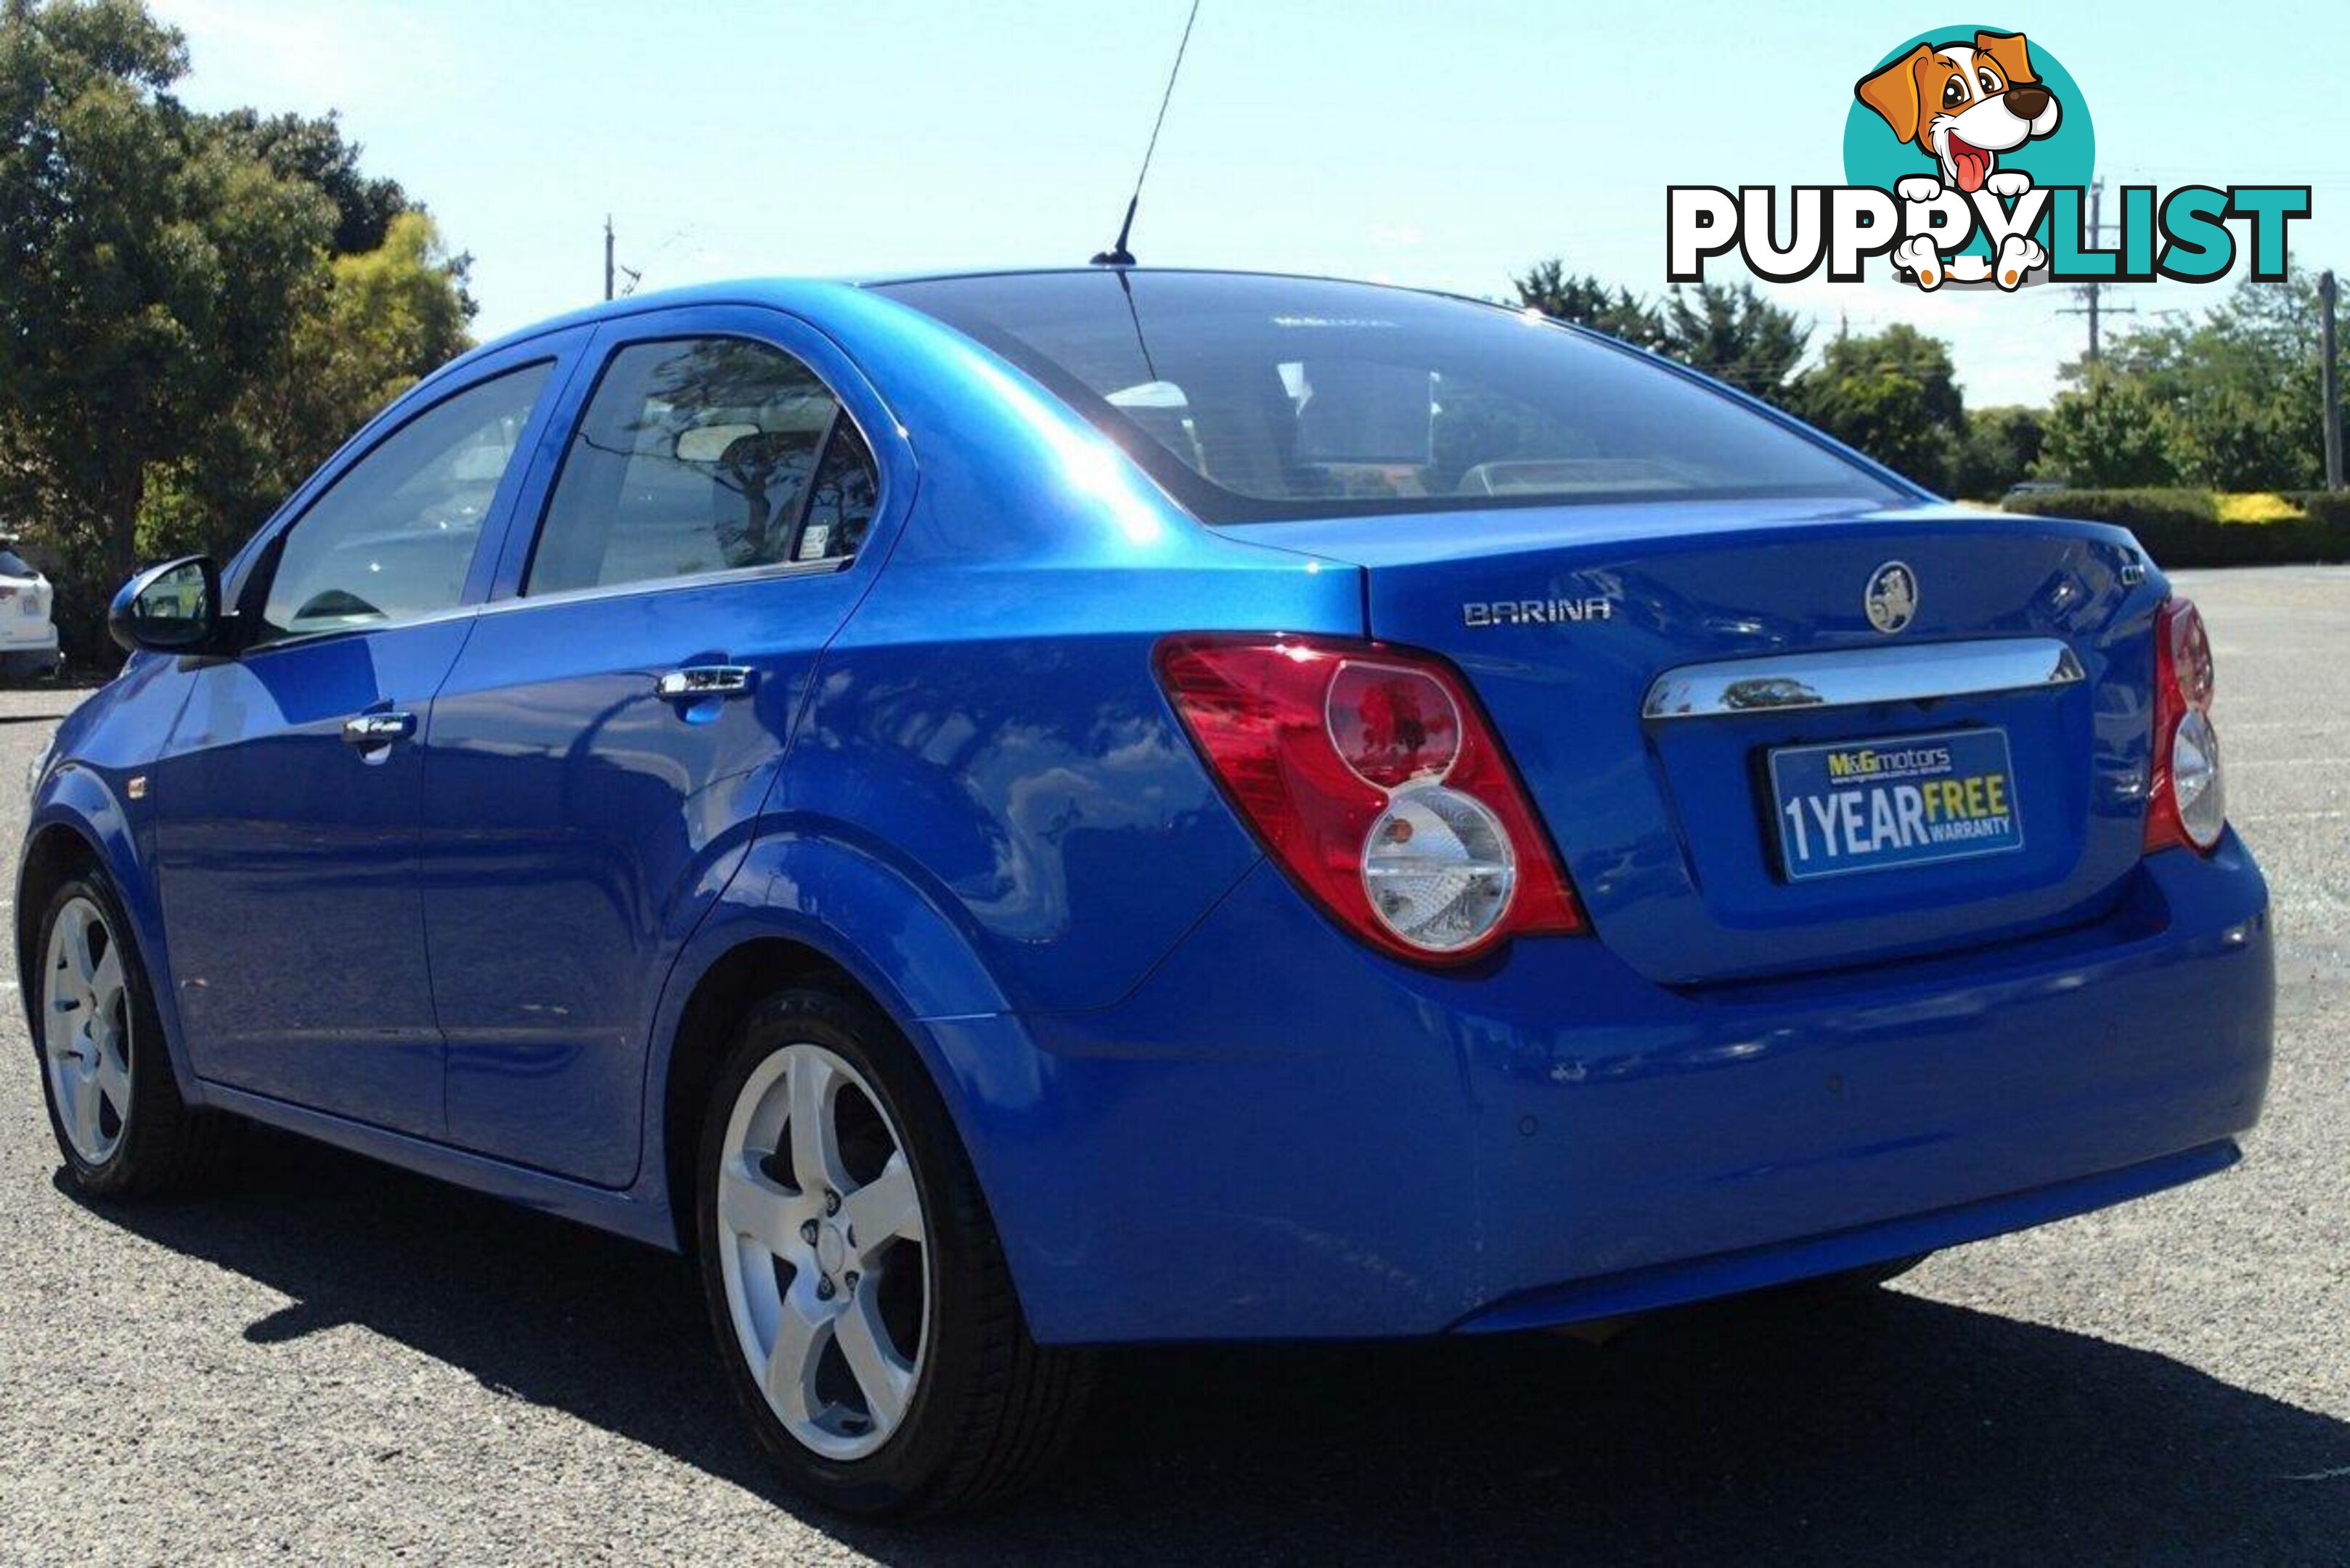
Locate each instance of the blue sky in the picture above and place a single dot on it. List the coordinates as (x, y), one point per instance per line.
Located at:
(1442, 145)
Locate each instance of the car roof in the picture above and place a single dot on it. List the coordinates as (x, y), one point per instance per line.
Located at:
(808, 293)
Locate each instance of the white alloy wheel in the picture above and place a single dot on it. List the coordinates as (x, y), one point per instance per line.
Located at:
(822, 1248)
(85, 1030)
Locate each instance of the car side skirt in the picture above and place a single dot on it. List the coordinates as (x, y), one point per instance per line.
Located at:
(622, 1213)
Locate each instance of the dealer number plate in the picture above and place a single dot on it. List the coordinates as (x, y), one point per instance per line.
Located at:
(1872, 805)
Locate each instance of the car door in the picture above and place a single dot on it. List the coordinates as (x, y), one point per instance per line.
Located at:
(598, 754)
(286, 801)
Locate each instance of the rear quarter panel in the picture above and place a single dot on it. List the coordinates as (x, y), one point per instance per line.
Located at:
(988, 723)
(988, 807)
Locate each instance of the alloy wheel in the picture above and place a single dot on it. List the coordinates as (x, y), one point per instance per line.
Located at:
(85, 1030)
(823, 1250)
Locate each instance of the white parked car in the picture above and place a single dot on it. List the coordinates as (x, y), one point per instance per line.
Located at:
(28, 635)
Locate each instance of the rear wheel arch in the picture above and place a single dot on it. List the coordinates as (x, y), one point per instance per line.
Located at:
(726, 990)
(810, 907)
(980, 1409)
(762, 961)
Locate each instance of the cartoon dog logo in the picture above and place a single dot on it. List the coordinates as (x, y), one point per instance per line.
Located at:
(1963, 105)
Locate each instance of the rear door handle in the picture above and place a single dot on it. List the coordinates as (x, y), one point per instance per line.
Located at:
(708, 680)
(369, 731)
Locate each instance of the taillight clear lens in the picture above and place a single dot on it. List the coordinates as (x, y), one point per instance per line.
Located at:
(2195, 785)
(1439, 869)
(2186, 804)
(1370, 776)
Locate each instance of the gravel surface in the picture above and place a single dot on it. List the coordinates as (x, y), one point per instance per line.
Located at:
(334, 1360)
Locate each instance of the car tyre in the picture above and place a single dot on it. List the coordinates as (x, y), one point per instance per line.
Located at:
(115, 1107)
(890, 1372)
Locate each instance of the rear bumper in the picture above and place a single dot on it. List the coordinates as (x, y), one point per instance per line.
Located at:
(1726, 1273)
(39, 659)
(1282, 1135)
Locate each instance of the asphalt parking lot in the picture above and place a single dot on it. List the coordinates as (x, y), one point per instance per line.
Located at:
(332, 1360)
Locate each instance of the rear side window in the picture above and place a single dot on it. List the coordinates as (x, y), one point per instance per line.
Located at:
(703, 455)
(393, 537)
(1253, 399)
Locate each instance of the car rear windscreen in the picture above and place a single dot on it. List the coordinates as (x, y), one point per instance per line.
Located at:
(1253, 399)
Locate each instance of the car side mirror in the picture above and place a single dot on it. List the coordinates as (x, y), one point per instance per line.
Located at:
(171, 608)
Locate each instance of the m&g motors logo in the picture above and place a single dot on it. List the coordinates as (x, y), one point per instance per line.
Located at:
(1969, 158)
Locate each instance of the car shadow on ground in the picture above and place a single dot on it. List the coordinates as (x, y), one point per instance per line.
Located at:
(1885, 1427)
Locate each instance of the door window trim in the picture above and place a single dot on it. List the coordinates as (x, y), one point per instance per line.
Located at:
(668, 585)
(682, 332)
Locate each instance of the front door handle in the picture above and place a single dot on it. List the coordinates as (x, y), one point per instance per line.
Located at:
(707, 680)
(370, 731)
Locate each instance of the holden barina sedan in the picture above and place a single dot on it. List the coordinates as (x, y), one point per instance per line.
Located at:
(1010, 813)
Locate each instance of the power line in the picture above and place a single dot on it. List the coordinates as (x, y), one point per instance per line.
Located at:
(2092, 294)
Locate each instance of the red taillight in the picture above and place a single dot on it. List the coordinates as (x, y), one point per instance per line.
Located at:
(1325, 745)
(2185, 804)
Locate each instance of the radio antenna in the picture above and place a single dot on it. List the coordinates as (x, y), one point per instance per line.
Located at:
(1117, 254)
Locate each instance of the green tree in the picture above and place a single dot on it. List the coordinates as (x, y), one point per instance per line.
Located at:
(149, 268)
(371, 325)
(194, 310)
(2114, 431)
(2002, 445)
(1891, 394)
(1733, 334)
(2240, 385)
(313, 151)
(393, 312)
(1546, 286)
(2236, 437)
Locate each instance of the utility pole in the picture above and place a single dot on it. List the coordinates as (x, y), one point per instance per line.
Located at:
(2094, 293)
(607, 255)
(2329, 372)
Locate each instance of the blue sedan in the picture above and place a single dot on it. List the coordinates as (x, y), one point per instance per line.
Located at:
(1009, 813)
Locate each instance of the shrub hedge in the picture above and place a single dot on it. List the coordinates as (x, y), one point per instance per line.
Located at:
(2183, 527)
(2323, 506)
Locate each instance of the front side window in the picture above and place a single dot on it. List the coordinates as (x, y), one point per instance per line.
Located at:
(702, 455)
(392, 539)
(1257, 398)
